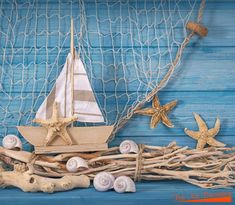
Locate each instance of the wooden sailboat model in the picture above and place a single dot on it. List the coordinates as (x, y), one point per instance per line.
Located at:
(73, 95)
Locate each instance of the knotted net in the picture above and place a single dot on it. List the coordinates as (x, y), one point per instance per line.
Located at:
(129, 49)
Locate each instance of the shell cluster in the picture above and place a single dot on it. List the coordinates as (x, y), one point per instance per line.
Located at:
(105, 181)
(76, 163)
(128, 146)
(12, 142)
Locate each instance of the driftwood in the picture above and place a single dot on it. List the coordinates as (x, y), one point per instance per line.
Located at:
(208, 168)
(35, 183)
(22, 174)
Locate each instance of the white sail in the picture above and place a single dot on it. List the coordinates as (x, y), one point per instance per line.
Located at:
(84, 103)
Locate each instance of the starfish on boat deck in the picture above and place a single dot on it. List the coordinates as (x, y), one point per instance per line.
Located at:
(158, 112)
(56, 126)
(204, 135)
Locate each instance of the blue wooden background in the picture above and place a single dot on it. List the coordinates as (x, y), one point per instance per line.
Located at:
(204, 83)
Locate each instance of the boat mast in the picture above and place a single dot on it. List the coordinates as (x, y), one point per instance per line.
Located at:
(72, 51)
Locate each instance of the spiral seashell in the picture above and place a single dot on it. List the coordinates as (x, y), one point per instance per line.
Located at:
(12, 142)
(76, 163)
(103, 181)
(124, 184)
(128, 146)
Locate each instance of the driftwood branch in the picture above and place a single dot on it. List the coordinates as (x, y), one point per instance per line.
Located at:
(208, 168)
(22, 175)
(35, 183)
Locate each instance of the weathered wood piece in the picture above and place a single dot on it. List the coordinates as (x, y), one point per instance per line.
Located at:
(34, 183)
(83, 139)
(72, 148)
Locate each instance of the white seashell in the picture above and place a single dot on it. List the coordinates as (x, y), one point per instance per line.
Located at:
(76, 163)
(124, 184)
(103, 181)
(128, 146)
(12, 142)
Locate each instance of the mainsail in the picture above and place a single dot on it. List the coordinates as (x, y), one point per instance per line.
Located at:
(74, 94)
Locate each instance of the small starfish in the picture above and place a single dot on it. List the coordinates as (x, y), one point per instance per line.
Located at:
(204, 135)
(56, 126)
(158, 112)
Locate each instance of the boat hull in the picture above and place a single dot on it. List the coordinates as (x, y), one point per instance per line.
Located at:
(85, 139)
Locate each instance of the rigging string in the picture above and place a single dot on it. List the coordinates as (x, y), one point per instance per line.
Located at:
(165, 79)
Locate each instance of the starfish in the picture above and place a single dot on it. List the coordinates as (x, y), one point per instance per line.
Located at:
(158, 112)
(56, 126)
(204, 135)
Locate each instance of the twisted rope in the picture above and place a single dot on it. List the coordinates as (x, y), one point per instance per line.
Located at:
(139, 163)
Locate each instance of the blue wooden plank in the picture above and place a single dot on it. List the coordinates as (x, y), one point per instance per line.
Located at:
(201, 69)
(189, 102)
(218, 19)
(162, 193)
(199, 102)
(164, 140)
(217, 36)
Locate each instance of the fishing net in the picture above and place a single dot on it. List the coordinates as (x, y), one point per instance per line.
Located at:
(128, 48)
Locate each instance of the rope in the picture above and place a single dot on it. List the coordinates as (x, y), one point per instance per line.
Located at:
(137, 176)
(200, 12)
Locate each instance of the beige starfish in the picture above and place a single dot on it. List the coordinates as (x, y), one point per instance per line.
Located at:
(56, 126)
(158, 112)
(204, 135)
